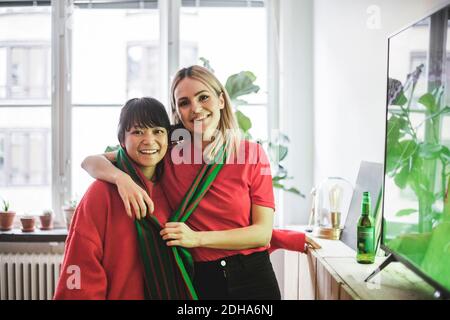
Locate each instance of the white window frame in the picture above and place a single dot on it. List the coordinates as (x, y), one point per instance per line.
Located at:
(61, 90)
(61, 104)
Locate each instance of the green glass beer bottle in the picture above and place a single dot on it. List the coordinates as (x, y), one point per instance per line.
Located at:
(366, 233)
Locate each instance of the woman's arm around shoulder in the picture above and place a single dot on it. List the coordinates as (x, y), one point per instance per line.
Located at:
(133, 196)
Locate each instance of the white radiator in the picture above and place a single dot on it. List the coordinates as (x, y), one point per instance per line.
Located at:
(29, 276)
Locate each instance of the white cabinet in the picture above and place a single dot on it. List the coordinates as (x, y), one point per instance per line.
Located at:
(332, 273)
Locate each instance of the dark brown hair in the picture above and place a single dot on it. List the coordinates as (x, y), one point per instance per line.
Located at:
(143, 112)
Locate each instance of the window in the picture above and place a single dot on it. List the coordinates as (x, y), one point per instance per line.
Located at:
(25, 107)
(143, 67)
(115, 57)
(106, 34)
(142, 70)
(111, 52)
(27, 68)
(24, 157)
(221, 30)
(189, 53)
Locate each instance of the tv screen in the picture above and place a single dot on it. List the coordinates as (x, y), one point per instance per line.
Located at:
(416, 209)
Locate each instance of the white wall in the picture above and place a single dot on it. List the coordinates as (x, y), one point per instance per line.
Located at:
(296, 102)
(350, 70)
(332, 90)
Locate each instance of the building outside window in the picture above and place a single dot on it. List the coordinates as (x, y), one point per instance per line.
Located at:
(143, 66)
(27, 67)
(25, 157)
(25, 107)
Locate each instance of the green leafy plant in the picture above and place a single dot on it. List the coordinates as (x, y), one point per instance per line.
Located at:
(112, 148)
(5, 205)
(71, 204)
(47, 212)
(242, 84)
(414, 161)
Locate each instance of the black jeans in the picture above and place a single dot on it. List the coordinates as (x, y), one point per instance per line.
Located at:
(237, 277)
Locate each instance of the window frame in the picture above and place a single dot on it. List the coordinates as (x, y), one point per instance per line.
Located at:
(61, 95)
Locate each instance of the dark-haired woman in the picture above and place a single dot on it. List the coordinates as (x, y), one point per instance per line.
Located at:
(102, 258)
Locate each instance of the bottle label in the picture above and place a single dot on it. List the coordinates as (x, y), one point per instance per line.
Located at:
(366, 239)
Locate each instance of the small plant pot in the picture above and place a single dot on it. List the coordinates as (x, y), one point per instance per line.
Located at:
(6, 220)
(68, 214)
(46, 222)
(28, 224)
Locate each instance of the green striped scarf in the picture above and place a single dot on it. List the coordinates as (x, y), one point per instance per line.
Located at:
(168, 271)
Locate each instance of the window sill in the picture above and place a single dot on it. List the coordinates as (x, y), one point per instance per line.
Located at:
(16, 235)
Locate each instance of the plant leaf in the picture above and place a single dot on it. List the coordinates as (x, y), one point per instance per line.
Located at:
(277, 152)
(393, 157)
(282, 138)
(244, 122)
(439, 113)
(400, 100)
(407, 149)
(282, 152)
(401, 178)
(278, 178)
(395, 125)
(241, 84)
(291, 190)
(295, 191)
(281, 171)
(405, 212)
(277, 185)
(445, 154)
(430, 151)
(239, 102)
(206, 64)
(428, 101)
(395, 87)
(112, 148)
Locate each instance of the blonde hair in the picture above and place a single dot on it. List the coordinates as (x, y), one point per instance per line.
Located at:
(228, 126)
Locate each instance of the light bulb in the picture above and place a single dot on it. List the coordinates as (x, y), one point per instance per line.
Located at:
(335, 197)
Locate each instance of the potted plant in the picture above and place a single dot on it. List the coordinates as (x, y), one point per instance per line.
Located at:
(6, 216)
(238, 86)
(69, 210)
(28, 223)
(417, 160)
(46, 220)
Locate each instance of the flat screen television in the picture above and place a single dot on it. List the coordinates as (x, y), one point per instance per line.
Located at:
(416, 204)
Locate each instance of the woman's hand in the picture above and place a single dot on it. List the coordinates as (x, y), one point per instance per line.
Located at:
(133, 196)
(311, 244)
(179, 234)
